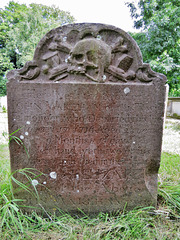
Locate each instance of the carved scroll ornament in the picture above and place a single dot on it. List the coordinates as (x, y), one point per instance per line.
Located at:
(92, 52)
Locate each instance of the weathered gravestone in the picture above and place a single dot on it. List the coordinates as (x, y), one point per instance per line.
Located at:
(90, 115)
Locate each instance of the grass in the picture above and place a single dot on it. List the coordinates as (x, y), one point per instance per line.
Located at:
(169, 171)
(143, 223)
(4, 168)
(169, 181)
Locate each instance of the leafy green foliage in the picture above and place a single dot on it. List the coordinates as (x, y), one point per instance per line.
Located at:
(5, 64)
(160, 39)
(2, 86)
(21, 28)
(9, 17)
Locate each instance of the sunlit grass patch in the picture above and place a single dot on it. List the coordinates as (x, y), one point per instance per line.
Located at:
(170, 168)
(169, 184)
(5, 162)
(4, 167)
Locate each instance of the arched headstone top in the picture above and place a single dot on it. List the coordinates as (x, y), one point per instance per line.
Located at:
(90, 114)
(86, 52)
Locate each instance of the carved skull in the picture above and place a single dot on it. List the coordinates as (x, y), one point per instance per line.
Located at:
(90, 57)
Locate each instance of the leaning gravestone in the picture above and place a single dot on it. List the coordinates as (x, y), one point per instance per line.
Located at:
(90, 115)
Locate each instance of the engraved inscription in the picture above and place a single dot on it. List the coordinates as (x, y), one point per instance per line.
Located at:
(97, 145)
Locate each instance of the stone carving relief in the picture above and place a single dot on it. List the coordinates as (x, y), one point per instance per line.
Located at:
(86, 52)
(90, 57)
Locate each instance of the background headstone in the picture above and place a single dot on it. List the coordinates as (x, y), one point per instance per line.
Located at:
(90, 115)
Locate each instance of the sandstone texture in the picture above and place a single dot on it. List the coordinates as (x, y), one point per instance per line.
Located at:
(90, 115)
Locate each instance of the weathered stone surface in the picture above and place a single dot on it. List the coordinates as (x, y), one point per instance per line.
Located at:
(91, 118)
